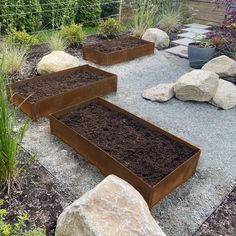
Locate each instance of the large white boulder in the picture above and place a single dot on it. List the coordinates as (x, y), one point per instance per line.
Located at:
(225, 96)
(56, 61)
(112, 208)
(197, 85)
(160, 93)
(157, 36)
(222, 65)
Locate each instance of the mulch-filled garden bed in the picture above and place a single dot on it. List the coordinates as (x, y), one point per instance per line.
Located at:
(39, 195)
(117, 50)
(40, 96)
(144, 153)
(222, 221)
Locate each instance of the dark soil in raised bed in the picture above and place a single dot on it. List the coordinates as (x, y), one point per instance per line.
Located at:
(148, 154)
(42, 88)
(223, 221)
(118, 44)
(40, 196)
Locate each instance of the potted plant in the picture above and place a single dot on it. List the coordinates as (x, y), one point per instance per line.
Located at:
(200, 52)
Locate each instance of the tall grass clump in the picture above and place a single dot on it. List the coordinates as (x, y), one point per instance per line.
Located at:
(57, 43)
(170, 15)
(144, 17)
(15, 58)
(11, 135)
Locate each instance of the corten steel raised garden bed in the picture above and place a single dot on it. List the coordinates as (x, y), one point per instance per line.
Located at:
(89, 83)
(153, 183)
(119, 50)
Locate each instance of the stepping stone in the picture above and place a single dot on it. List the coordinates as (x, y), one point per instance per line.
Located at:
(190, 35)
(196, 30)
(183, 41)
(198, 26)
(181, 51)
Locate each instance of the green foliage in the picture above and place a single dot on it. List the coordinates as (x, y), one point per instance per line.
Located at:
(144, 17)
(11, 135)
(57, 13)
(56, 42)
(171, 21)
(19, 228)
(15, 57)
(109, 7)
(74, 34)
(89, 12)
(21, 38)
(27, 16)
(110, 28)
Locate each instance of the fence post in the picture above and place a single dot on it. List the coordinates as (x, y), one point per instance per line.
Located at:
(120, 10)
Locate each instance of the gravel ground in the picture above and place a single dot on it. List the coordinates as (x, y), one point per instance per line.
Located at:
(213, 130)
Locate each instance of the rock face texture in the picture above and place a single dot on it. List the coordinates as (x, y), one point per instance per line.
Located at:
(225, 96)
(157, 36)
(56, 61)
(160, 93)
(222, 65)
(197, 85)
(112, 208)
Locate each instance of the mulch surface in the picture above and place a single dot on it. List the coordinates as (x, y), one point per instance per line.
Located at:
(39, 195)
(223, 221)
(118, 44)
(150, 155)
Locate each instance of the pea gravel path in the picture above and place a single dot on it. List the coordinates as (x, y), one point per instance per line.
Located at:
(213, 130)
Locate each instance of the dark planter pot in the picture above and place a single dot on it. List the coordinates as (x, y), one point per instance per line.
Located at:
(198, 57)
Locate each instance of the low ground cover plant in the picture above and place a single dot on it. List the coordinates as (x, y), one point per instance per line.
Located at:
(110, 28)
(73, 34)
(19, 228)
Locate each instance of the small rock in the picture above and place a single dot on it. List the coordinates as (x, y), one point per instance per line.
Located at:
(160, 93)
(225, 96)
(157, 36)
(56, 61)
(197, 85)
(112, 208)
(222, 65)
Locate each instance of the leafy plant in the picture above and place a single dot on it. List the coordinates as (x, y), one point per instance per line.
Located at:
(89, 12)
(11, 135)
(144, 17)
(57, 43)
(21, 15)
(110, 28)
(74, 34)
(21, 38)
(203, 42)
(15, 58)
(109, 8)
(19, 228)
(56, 13)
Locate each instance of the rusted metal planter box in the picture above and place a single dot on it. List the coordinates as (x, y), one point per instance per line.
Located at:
(120, 56)
(109, 165)
(46, 106)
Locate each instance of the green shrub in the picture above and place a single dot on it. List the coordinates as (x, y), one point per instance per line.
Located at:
(109, 7)
(19, 228)
(57, 43)
(89, 12)
(73, 34)
(57, 13)
(15, 58)
(12, 133)
(21, 38)
(110, 28)
(171, 21)
(27, 16)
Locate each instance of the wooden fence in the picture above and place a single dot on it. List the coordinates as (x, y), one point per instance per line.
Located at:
(205, 11)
